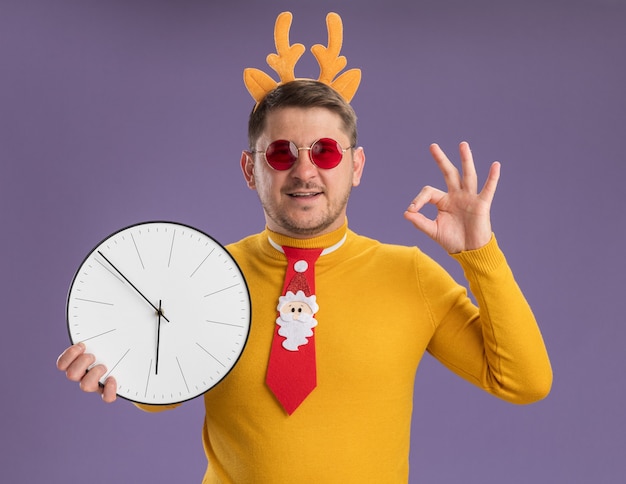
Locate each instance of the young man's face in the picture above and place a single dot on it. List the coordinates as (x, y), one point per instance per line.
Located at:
(303, 201)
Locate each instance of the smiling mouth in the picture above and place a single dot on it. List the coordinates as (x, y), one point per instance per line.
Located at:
(304, 194)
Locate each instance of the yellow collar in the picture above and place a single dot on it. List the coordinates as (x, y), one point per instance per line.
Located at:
(329, 242)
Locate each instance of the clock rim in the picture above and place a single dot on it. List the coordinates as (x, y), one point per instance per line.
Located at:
(191, 227)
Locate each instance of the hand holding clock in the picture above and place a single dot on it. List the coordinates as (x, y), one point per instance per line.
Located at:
(76, 365)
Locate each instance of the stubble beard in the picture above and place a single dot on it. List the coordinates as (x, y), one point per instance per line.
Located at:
(309, 226)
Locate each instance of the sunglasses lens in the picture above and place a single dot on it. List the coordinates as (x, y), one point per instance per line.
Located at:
(281, 154)
(326, 153)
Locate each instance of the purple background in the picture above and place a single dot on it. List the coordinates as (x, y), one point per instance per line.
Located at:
(115, 112)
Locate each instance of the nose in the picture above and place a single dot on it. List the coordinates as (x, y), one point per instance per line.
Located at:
(304, 168)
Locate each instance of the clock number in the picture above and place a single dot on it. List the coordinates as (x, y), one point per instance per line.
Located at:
(137, 249)
(208, 353)
(148, 379)
(115, 366)
(95, 302)
(98, 335)
(182, 374)
(223, 323)
(203, 261)
(220, 290)
(169, 261)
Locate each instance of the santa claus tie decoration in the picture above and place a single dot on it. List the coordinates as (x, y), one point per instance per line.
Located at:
(291, 372)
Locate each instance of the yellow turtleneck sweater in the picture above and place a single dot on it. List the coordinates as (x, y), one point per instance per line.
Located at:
(380, 308)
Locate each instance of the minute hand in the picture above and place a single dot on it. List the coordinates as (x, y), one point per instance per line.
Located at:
(133, 286)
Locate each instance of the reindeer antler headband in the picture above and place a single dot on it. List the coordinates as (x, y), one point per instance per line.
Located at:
(259, 84)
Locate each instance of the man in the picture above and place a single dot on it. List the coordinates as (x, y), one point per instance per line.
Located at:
(378, 308)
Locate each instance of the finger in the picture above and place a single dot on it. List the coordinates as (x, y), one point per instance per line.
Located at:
(489, 188)
(109, 392)
(470, 179)
(66, 358)
(421, 222)
(91, 379)
(77, 369)
(450, 173)
(427, 195)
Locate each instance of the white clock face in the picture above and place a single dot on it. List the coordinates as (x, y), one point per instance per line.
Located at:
(165, 308)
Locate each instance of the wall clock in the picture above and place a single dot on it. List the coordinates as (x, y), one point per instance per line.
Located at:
(164, 307)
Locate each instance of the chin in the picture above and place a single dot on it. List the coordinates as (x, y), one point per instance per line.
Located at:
(312, 229)
(305, 221)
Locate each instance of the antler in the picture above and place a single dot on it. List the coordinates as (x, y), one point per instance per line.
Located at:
(331, 63)
(285, 62)
(257, 81)
(286, 57)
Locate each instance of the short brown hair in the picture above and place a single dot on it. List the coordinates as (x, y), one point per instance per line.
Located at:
(302, 93)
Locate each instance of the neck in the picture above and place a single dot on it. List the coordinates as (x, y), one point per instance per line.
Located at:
(326, 241)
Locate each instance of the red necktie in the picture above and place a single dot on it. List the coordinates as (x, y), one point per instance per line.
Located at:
(291, 372)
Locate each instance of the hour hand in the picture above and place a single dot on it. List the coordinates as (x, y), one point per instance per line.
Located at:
(132, 285)
(160, 315)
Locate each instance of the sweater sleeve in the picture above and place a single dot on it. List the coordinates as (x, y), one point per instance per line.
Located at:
(497, 345)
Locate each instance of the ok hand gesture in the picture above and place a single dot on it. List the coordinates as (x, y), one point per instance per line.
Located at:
(463, 221)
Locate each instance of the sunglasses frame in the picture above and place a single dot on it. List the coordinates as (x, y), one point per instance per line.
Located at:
(341, 151)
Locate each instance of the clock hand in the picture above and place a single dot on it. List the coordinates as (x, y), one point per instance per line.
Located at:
(132, 285)
(156, 371)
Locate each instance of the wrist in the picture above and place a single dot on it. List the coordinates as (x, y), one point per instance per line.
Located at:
(483, 259)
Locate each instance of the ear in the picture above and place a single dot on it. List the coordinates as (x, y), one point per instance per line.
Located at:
(358, 163)
(247, 168)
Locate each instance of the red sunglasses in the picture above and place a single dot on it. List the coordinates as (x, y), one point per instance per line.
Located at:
(325, 153)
